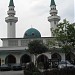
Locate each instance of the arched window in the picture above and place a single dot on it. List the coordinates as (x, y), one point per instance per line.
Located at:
(55, 59)
(56, 56)
(71, 57)
(42, 58)
(10, 59)
(25, 59)
(42, 61)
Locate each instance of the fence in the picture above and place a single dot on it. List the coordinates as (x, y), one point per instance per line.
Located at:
(65, 71)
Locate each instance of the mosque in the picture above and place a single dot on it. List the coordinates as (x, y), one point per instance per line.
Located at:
(14, 50)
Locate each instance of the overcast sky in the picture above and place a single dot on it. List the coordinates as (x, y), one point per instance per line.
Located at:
(34, 13)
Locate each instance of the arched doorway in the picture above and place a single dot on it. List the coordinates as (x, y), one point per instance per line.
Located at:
(25, 59)
(55, 58)
(10, 59)
(71, 57)
(42, 61)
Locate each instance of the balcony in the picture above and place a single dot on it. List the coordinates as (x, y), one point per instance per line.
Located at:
(11, 19)
(53, 11)
(11, 12)
(51, 18)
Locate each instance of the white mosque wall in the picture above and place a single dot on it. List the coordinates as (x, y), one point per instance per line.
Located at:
(2, 59)
(18, 42)
(5, 43)
(13, 48)
(17, 58)
(11, 30)
(62, 56)
(18, 46)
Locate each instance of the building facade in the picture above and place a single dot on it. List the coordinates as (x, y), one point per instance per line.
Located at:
(14, 50)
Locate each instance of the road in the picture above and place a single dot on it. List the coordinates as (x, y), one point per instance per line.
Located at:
(11, 73)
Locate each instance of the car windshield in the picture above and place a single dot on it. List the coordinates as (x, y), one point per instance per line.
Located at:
(4, 65)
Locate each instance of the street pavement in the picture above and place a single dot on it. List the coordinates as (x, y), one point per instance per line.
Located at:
(11, 73)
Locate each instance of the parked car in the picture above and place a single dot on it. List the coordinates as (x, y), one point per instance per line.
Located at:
(16, 67)
(64, 64)
(5, 67)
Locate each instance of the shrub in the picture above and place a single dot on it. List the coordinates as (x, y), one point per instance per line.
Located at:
(26, 72)
(31, 70)
(37, 73)
(65, 71)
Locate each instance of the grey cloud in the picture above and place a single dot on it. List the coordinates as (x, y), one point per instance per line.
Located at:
(40, 10)
(69, 12)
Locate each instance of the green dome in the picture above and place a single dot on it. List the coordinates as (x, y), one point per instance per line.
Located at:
(32, 33)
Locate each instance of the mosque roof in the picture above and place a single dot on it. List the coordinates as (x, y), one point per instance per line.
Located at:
(32, 33)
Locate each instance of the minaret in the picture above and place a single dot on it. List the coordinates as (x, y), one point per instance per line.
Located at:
(11, 21)
(54, 18)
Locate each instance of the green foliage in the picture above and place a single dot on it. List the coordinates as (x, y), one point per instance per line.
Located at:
(65, 71)
(26, 72)
(65, 33)
(40, 65)
(31, 67)
(43, 65)
(51, 43)
(36, 47)
(36, 73)
(31, 70)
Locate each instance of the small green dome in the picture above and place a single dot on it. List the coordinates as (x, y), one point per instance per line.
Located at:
(32, 33)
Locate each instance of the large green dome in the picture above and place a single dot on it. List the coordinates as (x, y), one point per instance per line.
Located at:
(32, 33)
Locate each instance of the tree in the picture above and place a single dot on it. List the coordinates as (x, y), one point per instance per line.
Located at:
(31, 70)
(37, 47)
(65, 34)
(51, 43)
